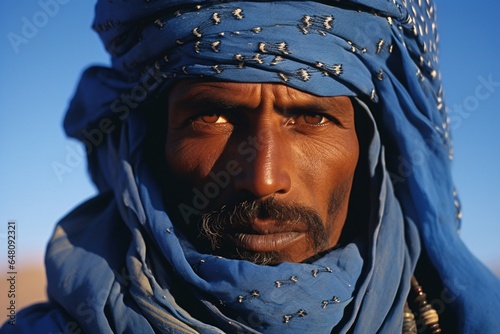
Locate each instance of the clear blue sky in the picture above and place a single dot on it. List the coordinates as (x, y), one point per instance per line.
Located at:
(39, 74)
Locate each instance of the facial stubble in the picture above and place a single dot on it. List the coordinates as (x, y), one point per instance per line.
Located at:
(217, 227)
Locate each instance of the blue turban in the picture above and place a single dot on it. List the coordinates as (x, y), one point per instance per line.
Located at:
(118, 264)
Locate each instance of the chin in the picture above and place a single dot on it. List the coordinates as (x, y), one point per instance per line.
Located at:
(260, 258)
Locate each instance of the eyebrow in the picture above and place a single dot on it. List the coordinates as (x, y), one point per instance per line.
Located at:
(206, 100)
(309, 107)
(336, 110)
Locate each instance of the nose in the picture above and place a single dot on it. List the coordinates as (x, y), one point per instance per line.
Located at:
(266, 167)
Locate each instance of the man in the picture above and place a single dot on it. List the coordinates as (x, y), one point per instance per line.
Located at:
(273, 167)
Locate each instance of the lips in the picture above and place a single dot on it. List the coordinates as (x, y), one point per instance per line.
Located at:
(266, 242)
(267, 236)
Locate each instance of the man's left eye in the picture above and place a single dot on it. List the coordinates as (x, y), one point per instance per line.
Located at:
(308, 119)
(315, 119)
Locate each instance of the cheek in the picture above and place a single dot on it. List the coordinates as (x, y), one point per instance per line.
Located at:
(192, 158)
(325, 175)
(327, 163)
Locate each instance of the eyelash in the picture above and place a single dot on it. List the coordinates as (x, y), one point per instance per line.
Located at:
(326, 118)
(323, 121)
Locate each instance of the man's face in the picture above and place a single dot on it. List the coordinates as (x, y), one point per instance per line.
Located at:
(266, 169)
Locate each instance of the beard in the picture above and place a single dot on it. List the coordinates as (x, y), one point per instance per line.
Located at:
(218, 228)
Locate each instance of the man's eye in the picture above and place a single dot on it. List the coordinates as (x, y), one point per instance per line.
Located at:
(212, 118)
(309, 119)
(315, 119)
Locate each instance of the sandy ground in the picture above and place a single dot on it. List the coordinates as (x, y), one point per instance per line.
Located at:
(30, 285)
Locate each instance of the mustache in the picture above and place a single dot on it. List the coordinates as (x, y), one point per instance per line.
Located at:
(215, 225)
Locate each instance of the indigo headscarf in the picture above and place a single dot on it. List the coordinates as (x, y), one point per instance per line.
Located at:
(118, 263)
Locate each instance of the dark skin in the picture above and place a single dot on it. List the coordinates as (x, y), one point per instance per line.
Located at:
(275, 143)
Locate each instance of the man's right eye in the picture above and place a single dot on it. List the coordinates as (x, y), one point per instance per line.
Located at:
(211, 119)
